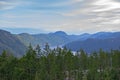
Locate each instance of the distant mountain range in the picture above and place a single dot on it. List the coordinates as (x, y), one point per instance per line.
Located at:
(54, 39)
(17, 43)
(95, 42)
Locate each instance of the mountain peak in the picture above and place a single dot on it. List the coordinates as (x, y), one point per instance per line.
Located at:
(60, 33)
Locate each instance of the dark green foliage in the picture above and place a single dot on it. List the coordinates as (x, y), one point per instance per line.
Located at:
(60, 64)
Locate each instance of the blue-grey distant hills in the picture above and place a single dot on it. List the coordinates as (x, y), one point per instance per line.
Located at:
(99, 35)
(53, 39)
(18, 43)
(95, 42)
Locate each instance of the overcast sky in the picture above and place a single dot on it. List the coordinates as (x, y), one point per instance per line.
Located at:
(72, 16)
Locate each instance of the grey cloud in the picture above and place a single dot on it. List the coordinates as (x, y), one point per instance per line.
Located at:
(108, 16)
(98, 14)
(84, 17)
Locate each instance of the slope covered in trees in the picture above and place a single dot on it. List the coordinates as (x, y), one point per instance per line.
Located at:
(60, 64)
(54, 39)
(11, 43)
(93, 44)
(16, 43)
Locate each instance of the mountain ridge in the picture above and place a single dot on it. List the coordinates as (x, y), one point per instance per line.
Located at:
(58, 38)
(95, 44)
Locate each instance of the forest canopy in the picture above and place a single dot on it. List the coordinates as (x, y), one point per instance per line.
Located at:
(60, 64)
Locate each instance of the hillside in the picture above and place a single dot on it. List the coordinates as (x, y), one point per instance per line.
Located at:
(99, 35)
(17, 43)
(54, 39)
(95, 44)
(11, 43)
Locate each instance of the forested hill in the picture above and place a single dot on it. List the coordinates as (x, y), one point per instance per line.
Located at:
(17, 43)
(60, 64)
(54, 39)
(94, 44)
(11, 43)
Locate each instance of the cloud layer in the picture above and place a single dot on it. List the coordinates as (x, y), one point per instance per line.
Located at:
(72, 16)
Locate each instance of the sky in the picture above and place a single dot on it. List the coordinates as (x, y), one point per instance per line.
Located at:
(71, 16)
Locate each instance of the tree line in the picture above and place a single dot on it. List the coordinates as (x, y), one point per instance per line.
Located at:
(60, 64)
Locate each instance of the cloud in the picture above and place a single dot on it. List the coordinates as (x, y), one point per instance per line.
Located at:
(102, 14)
(11, 4)
(6, 5)
(94, 7)
(106, 5)
(76, 16)
(107, 12)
